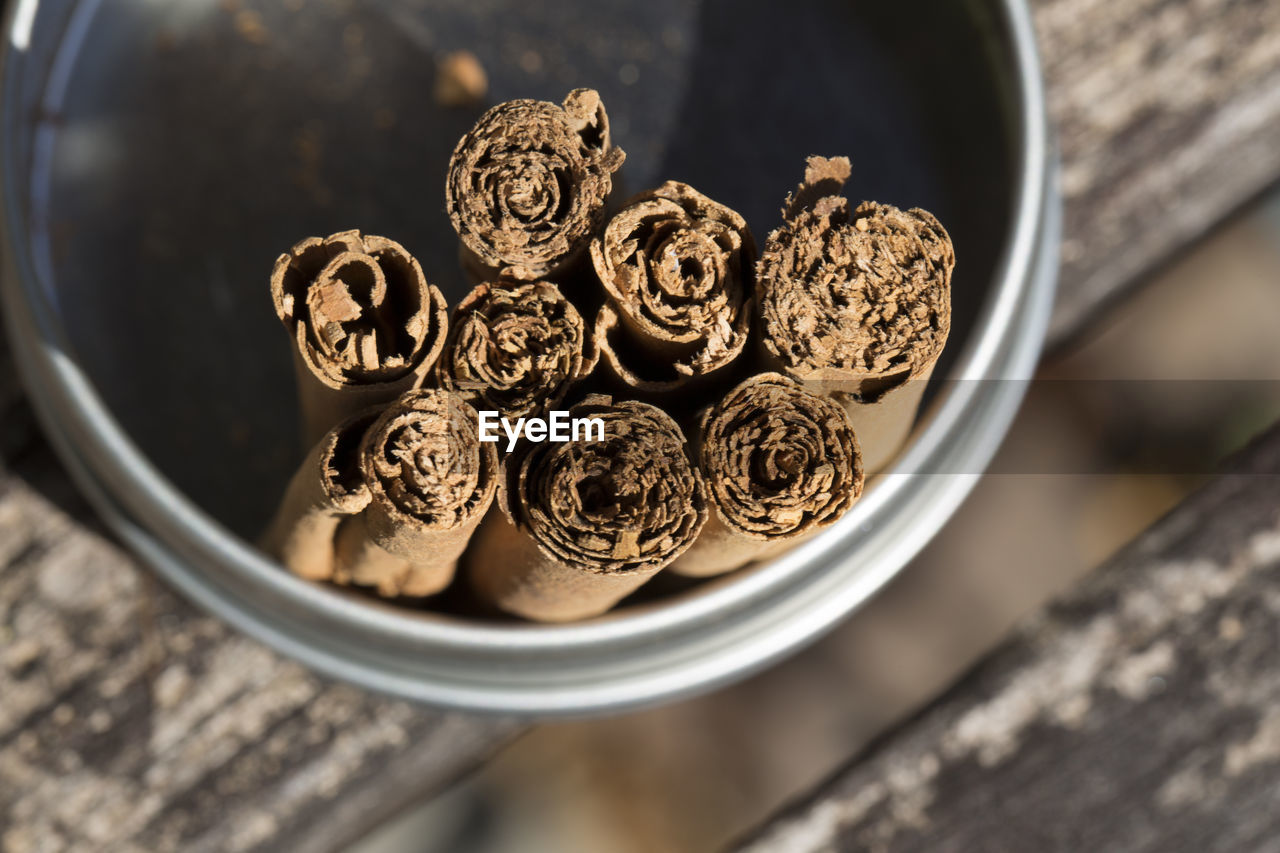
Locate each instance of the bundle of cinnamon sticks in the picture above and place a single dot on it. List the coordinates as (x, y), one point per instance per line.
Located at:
(740, 395)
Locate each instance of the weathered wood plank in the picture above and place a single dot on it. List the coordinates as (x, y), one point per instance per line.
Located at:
(1168, 116)
(129, 722)
(1140, 714)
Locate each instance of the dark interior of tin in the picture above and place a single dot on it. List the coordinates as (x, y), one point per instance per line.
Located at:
(192, 148)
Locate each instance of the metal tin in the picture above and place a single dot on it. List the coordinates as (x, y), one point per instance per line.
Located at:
(644, 653)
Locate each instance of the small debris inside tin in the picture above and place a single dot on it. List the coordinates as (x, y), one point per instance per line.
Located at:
(460, 80)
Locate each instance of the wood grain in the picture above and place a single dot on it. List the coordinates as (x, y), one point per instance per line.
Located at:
(1167, 116)
(1140, 714)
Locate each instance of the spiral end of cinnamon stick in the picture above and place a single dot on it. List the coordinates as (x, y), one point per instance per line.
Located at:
(359, 309)
(678, 269)
(527, 185)
(515, 348)
(627, 503)
(779, 461)
(425, 465)
(341, 478)
(859, 291)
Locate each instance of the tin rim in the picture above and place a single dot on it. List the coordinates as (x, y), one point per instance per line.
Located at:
(720, 632)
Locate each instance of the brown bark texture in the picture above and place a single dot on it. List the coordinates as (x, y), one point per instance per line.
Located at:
(527, 186)
(678, 272)
(780, 464)
(587, 522)
(365, 323)
(515, 348)
(431, 480)
(855, 301)
(327, 488)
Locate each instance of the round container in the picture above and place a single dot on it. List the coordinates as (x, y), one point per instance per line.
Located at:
(157, 157)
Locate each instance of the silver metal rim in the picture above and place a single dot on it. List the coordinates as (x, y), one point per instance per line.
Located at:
(663, 651)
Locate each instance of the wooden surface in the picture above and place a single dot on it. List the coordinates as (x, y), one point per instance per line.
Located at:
(1142, 713)
(129, 721)
(1168, 117)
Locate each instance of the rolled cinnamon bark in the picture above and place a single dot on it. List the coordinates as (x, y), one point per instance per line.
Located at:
(678, 270)
(515, 348)
(430, 481)
(326, 488)
(527, 185)
(587, 522)
(365, 323)
(780, 464)
(856, 302)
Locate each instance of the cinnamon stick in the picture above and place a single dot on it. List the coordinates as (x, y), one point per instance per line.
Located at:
(365, 323)
(587, 522)
(527, 186)
(678, 271)
(856, 302)
(430, 481)
(515, 348)
(780, 463)
(326, 488)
